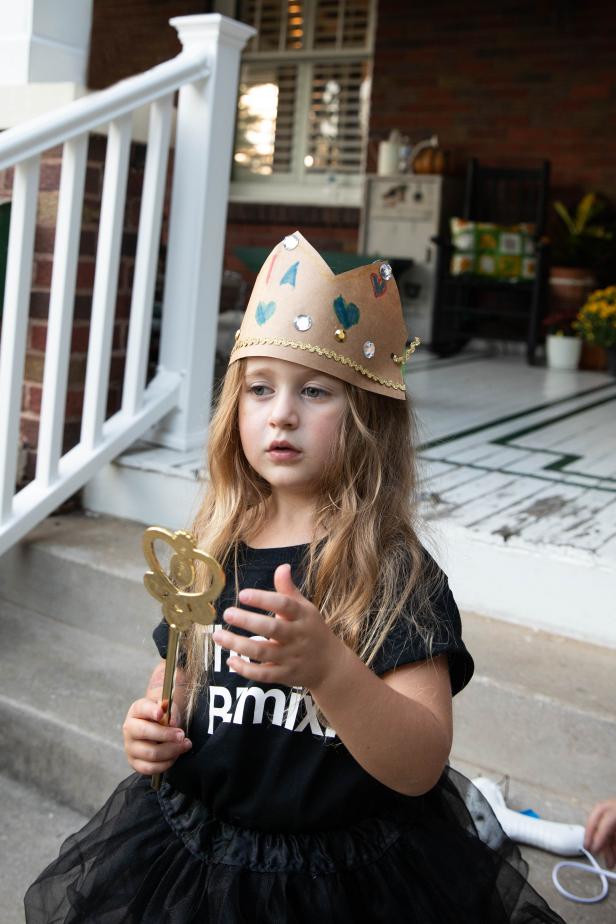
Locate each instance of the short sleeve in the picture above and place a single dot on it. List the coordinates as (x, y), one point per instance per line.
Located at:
(161, 640)
(405, 646)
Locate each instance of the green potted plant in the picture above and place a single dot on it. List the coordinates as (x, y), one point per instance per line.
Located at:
(582, 245)
(596, 323)
(563, 346)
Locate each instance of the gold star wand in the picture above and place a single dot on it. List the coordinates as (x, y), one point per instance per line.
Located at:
(180, 608)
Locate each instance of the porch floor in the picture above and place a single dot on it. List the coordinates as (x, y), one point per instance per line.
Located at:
(518, 481)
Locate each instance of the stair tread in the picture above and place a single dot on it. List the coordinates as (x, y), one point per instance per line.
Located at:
(99, 541)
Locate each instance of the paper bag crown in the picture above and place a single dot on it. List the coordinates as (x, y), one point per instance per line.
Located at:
(349, 325)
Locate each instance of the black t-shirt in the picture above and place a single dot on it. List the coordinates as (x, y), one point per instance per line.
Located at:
(260, 756)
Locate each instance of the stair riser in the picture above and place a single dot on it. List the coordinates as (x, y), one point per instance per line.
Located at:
(62, 762)
(537, 741)
(77, 594)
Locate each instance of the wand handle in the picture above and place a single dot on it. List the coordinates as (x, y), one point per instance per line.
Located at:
(166, 702)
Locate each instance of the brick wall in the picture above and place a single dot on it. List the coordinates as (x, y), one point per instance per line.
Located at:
(130, 37)
(41, 284)
(266, 225)
(504, 82)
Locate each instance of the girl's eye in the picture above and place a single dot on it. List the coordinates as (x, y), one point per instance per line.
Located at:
(313, 391)
(258, 390)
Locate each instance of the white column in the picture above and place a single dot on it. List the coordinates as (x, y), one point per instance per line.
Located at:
(205, 129)
(43, 42)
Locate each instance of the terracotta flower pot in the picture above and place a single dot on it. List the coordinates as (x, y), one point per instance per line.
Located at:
(570, 287)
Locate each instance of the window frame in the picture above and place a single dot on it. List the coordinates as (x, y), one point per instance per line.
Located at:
(319, 189)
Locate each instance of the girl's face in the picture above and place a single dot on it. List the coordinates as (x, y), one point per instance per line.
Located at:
(289, 417)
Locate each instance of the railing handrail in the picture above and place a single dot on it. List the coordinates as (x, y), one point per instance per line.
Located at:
(89, 112)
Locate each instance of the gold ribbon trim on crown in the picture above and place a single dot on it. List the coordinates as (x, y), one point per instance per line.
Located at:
(321, 351)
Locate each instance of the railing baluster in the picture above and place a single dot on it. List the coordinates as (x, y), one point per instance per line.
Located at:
(15, 322)
(105, 281)
(61, 304)
(146, 259)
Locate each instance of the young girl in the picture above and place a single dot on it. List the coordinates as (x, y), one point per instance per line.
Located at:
(311, 783)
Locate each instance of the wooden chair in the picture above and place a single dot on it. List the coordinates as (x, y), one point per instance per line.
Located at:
(468, 305)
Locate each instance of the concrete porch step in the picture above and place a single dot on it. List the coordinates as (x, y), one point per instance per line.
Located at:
(76, 649)
(64, 692)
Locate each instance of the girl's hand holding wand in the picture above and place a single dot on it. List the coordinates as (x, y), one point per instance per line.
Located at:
(398, 727)
(150, 747)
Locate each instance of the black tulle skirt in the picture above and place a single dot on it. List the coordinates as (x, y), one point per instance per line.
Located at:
(161, 858)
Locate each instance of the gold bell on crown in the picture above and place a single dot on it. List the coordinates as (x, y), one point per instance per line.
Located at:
(348, 325)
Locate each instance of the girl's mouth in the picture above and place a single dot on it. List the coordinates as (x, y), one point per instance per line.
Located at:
(283, 453)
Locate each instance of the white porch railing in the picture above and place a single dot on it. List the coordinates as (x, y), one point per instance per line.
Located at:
(177, 399)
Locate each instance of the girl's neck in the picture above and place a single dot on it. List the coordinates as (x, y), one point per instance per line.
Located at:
(287, 521)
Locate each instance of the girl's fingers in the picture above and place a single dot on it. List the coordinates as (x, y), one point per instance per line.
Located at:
(263, 673)
(253, 649)
(146, 709)
(157, 753)
(140, 730)
(268, 626)
(281, 604)
(147, 768)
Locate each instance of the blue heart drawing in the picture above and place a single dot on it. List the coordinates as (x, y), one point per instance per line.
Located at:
(346, 312)
(265, 311)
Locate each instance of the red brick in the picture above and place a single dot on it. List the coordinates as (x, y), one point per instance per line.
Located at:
(123, 302)
(94, 179)
(97, 148)
(29, 429)
(38, 336)
(80, 338)
(74, 403)
(41, 276)
(6, 180)
(116, 373)
(120, 334)
(44, 240)
(39, 304)
(77, 371)
(83, 307)
(72, 433)
(34, 367)
(85, 274)
(50, 175)
(87, 242)
(32, 399)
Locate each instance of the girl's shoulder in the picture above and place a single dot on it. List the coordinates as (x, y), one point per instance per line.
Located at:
(429, 625)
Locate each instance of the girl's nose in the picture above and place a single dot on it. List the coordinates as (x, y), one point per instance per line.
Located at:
(283, 412)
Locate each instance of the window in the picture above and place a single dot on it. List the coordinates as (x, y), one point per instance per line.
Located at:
(304, 98)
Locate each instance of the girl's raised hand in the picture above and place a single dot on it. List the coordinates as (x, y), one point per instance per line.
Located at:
(296, 646)
(151, 747)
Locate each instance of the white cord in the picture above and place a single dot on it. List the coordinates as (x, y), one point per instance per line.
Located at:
(594, 868)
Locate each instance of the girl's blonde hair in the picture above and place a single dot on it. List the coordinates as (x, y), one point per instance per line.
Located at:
(370, 568)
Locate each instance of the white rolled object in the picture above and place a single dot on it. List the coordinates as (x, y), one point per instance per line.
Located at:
(389, 156)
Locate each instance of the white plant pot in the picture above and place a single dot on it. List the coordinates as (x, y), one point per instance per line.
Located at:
(563, 352)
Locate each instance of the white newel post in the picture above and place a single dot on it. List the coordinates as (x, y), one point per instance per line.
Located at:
(205, 126)
(44, 49)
